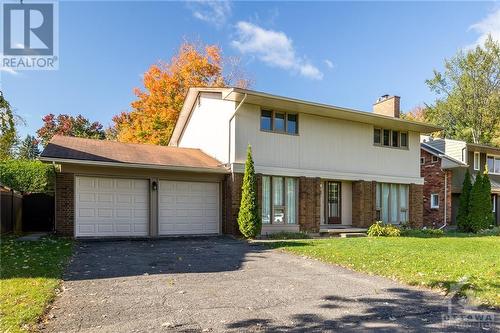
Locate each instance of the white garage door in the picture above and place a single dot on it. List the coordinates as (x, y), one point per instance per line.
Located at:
(188, 208)
(111, 207)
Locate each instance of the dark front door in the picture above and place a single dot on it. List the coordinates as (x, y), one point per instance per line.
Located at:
(333, 202)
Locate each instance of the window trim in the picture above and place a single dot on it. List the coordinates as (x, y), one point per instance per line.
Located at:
(422, 160)
(285, 200)
(378, 208)
(495, 159)
(273, 122)
(494, 203)
(434, 159)
(478, 160)
(381, 143)
(433, 195)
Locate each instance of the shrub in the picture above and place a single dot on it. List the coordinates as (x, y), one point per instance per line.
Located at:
(27, 176)
(289, 235)
(380, 229)
(248, 217)
(490, 232)
(463, 208)
(426, 233)
(480, 216)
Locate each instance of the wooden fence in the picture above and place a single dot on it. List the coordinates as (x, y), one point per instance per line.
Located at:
(11, 205)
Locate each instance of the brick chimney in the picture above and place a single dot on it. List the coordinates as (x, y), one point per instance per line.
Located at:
(387, 106)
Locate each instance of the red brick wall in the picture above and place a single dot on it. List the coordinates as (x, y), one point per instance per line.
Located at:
(416, 208)
(363, 203)
(434, 178)
(232, 200)
(309, 204)
(65, 204)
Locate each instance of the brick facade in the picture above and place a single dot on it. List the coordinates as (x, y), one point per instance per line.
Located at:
(232, 200)
(416, 207)
(309, 204)
(363, 203)
(65, 204)
(434, 183)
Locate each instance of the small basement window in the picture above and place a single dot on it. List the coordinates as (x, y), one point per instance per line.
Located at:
(434, 200)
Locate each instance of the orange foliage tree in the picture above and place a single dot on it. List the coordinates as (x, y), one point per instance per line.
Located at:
(155, 112)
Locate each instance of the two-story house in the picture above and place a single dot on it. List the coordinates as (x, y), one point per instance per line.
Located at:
(444, 163)
(317, 166)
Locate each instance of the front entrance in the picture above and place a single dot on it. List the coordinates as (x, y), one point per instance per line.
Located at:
(333, 202)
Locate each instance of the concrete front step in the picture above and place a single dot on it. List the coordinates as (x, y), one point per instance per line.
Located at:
(337, 231)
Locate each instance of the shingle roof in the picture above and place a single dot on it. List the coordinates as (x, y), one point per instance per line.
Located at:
(79, 149)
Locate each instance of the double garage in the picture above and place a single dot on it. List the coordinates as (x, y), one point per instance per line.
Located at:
(107, 207)
(111, 189)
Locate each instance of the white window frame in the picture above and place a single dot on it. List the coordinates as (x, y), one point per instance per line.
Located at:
(496, 159)
(494, 203)
(434, 195)
(422, 160)
(477, 161)
(434, 159)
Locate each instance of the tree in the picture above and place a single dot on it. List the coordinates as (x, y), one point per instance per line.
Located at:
(155, 112)
(68, 125)
(27, 176)
(480, 215)
(8, 133)
(249, 220)
(469, 89)
(418, 113)
(489, 219)
(28, 150)
(463, 208)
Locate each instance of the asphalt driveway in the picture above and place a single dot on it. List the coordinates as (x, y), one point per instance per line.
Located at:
(220, 284)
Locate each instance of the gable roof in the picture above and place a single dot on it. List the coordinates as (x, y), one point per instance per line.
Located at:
(450, 162)
(103, 152)
(295, 105)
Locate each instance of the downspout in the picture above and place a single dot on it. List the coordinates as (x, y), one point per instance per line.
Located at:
(445, 199)
(229, 127)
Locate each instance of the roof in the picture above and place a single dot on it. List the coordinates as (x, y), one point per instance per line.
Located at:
(89, 151)
(484, 148)
(452, 162)
(291, 104)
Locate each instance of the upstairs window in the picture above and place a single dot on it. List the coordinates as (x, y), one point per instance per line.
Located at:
(390, 138)
(279, 122)
(266, 120)
(477, 161)
(493, 164)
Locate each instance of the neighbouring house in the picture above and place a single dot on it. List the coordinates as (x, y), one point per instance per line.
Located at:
(317, 166)
(443, 163)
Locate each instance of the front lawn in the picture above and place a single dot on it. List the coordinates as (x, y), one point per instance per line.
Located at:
(431, 262)
(29, 274)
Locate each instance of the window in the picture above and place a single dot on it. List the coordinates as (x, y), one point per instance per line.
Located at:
(395, 139)
(434, 159)
(291, 125)
(279, 200)
(422, 160)
(494, 203)
(390, 138)
(266, 120)
(376, 136)
(404, 140)
(392, 202)
(280, 122)
(434, 200)
(477, 161)
(493, 164)
(387, 137)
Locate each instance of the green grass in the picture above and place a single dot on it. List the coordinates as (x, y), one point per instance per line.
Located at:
(429, 262)
(29, 274)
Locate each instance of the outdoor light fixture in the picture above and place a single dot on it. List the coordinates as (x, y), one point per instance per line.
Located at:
(154, 185)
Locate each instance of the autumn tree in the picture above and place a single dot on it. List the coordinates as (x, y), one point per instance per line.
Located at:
(155, 112)
(68, 125)
(468, 106)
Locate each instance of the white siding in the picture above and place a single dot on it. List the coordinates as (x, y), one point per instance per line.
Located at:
(327, 145)
(208, 126)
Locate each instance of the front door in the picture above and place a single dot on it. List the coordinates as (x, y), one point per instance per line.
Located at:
(333, 203)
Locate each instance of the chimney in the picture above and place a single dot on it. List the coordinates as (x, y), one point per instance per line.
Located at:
(387, 106)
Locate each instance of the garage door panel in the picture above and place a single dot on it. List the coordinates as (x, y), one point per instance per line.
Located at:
(111, 207)
(188, 208)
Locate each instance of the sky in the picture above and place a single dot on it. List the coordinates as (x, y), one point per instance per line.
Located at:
(340, 53)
